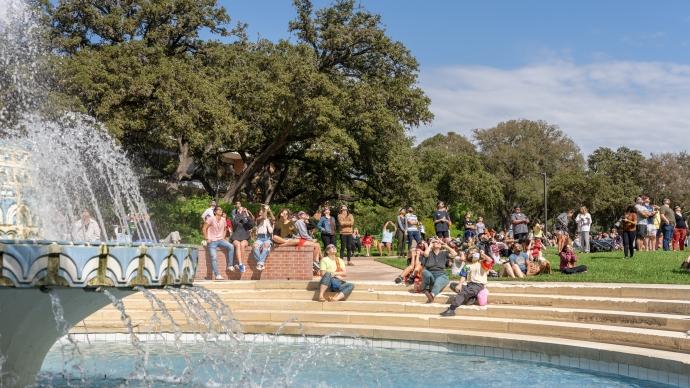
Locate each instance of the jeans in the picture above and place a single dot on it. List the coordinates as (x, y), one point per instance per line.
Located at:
(584, 242)
(468, 295)
(327, 239)
(667, 231)
(679, 236)
(629, 243)
(262, 247)
(213, 246)
(400, 242)
(346, 243)
(434, 281)
(336, 285)
(413, 235)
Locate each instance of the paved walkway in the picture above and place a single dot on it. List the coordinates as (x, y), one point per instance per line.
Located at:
(366, 268)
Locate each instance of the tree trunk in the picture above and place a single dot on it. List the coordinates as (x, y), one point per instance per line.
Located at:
(255, 166)
(273, 188)
(184, 165)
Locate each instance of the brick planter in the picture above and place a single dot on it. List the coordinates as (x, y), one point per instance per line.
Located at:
(283, 263)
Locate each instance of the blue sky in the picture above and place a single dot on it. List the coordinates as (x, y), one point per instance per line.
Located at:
(609, 73)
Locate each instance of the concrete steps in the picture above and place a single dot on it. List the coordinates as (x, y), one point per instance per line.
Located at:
(608, 314)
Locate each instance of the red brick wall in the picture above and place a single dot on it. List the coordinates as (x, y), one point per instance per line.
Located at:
(283, 263)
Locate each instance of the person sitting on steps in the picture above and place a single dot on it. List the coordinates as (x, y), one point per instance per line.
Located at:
(435, 260)
(477, 278)
(333, 274)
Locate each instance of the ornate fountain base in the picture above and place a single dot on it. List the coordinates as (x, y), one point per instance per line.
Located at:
(30, 269)
(28, 327)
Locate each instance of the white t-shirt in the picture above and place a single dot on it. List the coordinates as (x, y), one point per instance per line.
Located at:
(584, 222)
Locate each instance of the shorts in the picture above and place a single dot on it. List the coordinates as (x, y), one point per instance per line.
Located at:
(520, 236)
(442, 234)
(469, 234)
(651, 231)
(641, 230)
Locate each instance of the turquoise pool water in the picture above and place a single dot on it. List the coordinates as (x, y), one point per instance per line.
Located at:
(113, 364)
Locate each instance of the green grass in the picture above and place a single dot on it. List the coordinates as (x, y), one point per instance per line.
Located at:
(609, 267)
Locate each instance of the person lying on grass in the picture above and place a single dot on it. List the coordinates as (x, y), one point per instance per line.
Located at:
(686, 266)
(333, 274)
(476, 277)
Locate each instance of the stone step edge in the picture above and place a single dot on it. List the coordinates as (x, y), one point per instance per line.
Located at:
(284, 305)
(445, 293)
(663, 360)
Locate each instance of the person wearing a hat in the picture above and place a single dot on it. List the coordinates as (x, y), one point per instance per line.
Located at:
(333, 273)
(346, 221)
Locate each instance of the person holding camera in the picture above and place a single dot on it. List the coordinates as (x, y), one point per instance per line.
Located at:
(435, 260)
(242, 224)
(264, 232)
(477, 276)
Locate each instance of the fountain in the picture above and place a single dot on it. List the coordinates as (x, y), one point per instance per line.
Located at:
(50, 170)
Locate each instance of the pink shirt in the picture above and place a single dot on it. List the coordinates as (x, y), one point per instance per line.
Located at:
(216, 228)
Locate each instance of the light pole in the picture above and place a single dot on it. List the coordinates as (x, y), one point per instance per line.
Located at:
(546, 207)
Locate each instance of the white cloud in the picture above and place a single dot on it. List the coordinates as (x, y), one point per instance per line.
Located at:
(643, 105)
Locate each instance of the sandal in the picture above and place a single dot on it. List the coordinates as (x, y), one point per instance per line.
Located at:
(322, 299)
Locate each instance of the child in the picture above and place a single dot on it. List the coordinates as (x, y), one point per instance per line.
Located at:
(367, 240)
(477, 278)
(414, 269)
(568, 260)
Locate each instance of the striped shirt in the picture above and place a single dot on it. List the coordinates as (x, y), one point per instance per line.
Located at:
(411, 222)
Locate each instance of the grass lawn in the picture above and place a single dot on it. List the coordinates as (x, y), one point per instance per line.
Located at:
(608, 267)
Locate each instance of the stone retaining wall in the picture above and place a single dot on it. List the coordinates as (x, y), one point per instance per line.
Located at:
(283, 263)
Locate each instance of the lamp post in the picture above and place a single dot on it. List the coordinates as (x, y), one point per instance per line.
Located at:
(546, 207)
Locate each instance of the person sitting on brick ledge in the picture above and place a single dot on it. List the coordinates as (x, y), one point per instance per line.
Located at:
(215, 230)
(264, 231)
(333, 275)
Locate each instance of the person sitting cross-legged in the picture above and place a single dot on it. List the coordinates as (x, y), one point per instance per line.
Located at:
(435, 260)
(333, 275)
(477, 278)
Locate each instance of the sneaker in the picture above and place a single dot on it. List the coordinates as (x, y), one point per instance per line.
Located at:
(241, 268)
(398, 280)
(448, 313)
(231, 268)
(429, 296)
(218, 277)
(350, 263)
(454, 287)
(259, 267)
(410, 280)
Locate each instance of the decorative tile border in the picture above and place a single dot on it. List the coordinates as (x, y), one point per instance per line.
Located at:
(614, 368)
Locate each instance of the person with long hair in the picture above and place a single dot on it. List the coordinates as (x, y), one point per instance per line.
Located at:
(242, 224)
(264, 231)
(333, 274)
(629, 230)
(584, 224)
(680, 232)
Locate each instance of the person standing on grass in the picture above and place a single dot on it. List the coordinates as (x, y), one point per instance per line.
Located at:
(562, 222)
(481, 227)
(519, 221)
(641, 229)
(387, 237)
(668, 223)
(629, 230)
(326, 226)
(401, 232)
(441, 220)
(584, 223)
(214, 232)
(412, 227)
(680, 232)
(346, 221)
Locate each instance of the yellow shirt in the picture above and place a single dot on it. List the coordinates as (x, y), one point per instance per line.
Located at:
(328, 265)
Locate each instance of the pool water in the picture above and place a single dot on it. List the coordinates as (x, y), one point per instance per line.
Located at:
(114, 364)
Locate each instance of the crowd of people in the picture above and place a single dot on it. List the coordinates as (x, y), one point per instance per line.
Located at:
(478, 253)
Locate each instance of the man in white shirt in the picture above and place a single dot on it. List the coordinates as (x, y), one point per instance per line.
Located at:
(208, 212)
(86, 229)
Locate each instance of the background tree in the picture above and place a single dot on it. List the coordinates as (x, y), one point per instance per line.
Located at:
(517, 152)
